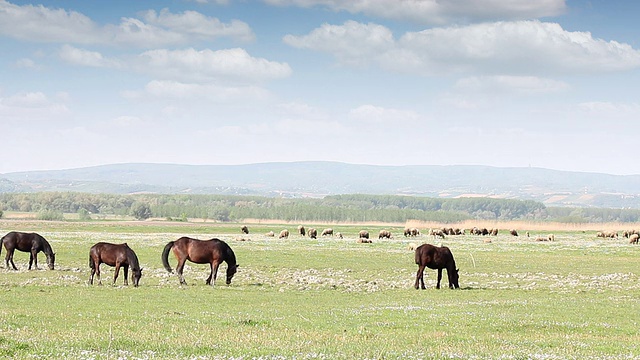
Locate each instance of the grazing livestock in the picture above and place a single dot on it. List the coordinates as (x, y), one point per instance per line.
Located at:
(327, 232)
(339, 235)
(437, 232)
(27, 242)
(384, 234)
(413, 232)
(493, 232)
(436, 258)
(313, 233)
(244, 229)
(363, 234)
(212, 252)
(115, 255)
(513, 232)
(284, 234)
(412, 246)
(633, 238)
(301, 230)
(270, 234)
(364, 241)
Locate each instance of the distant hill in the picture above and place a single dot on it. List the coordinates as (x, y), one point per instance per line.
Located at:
(317, 179)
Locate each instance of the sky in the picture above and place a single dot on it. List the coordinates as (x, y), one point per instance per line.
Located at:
(507, 83)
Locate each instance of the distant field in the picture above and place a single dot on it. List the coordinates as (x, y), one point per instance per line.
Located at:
(297, 298)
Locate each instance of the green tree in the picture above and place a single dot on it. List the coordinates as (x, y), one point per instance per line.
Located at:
(141, 211)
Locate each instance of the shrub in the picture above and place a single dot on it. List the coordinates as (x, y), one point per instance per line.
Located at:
(50, 215)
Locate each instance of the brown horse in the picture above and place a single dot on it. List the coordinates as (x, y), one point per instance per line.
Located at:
(212, 252)
(436, 258)
(118, 255)
(28, 242)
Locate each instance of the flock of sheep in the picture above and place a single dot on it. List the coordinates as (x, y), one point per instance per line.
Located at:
(364, 236)
(632, 235)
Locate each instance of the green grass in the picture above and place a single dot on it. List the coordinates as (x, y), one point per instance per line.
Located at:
(575, 298)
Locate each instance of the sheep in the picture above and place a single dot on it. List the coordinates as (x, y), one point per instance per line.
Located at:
(633, 238)
(384, 234)
(364, 240)
(363, 234)
(244, 229)
(301, 230)
(327, 232)
(513, 232)
(313, 233)
(270, 234)
(284, 234)
(339, 235)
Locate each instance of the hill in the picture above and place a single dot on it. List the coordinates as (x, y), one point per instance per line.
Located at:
(318, 179)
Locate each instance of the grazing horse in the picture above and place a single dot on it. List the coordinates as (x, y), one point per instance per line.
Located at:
(27, 242)
(118, 255)
(436, 258)
(212, 252)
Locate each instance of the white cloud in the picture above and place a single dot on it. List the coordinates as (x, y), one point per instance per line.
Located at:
(207, 65)
(522, 47)
(352, 43)
(31, 106)
(43, 24)
(196, 92)
(504, 84)
(380, 115)
(26, 63)
(193, 22)
(439, 12)
(82, 57)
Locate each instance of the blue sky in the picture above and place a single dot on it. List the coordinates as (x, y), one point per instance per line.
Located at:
(508, 83)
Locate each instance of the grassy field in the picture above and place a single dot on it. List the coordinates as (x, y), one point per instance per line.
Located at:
(575, 298)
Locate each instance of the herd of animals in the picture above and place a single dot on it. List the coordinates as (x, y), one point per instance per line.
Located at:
(215, 251)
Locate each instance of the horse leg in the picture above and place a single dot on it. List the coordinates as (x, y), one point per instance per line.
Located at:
(93, 272)
(10, 259)
(439, 278)
(419, 275)
(98, 272)
(214, 273)
(115, 274)
(31, 259)
(179, 270)
(126, 274)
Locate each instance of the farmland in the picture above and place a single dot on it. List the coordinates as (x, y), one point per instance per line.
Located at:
(299, 298)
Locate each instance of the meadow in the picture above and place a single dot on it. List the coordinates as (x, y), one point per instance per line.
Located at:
(574, 298)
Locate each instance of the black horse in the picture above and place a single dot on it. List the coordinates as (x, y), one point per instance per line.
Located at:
(118, 255)
(28, 242)
(436, 258)
(212, 252)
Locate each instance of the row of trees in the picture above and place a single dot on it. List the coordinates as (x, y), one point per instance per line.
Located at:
(357, 207)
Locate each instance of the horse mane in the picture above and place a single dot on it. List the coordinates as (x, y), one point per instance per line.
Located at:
(47, 249)
(132, 258)
(230, 256)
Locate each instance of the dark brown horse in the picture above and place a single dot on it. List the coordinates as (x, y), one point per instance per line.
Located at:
(436, 258)
(212, 252)
(28, 242)
(118, 255)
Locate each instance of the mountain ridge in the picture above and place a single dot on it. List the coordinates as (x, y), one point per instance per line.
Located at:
(321, 178)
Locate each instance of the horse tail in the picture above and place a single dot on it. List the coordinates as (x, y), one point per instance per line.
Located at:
(91, 265)
(165, 256)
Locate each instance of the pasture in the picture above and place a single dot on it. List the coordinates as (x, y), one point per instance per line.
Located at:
(297, 298)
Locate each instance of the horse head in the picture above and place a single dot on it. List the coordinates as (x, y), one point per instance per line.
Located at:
(137, 274)
(453, 279)
(51, 259)
(231, 270)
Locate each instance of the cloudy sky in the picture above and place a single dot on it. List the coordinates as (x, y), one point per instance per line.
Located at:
(508, 83)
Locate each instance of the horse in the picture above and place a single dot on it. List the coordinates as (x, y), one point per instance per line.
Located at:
(118, 255)
(436, 258)
(27, 242)
(212, 252)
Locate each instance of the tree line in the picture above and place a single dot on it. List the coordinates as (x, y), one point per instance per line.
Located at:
(341, 208)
